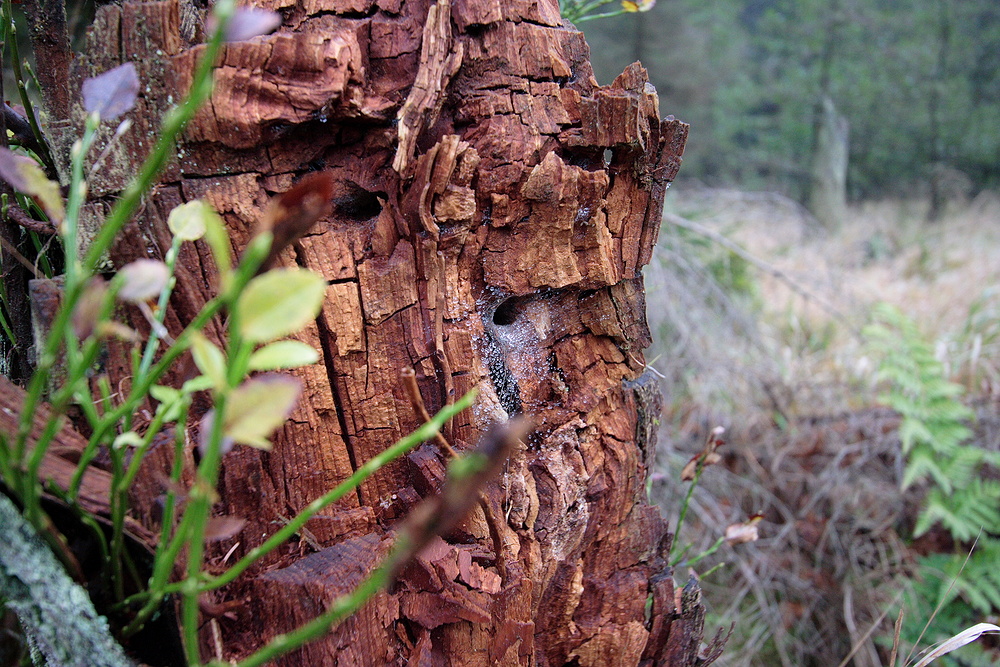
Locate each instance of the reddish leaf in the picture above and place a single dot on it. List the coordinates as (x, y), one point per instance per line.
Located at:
(706, 457)
(702, 460)
(291, 214)
(11, 167)
(88, 308)
(24, 175)
(113, 93)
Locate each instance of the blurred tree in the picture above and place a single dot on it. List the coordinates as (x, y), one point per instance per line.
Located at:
(919, 81)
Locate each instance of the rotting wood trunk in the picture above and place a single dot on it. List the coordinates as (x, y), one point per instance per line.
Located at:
(493, 213)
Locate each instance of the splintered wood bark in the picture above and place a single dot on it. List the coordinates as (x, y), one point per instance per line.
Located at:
(493, 211)
(60, 460)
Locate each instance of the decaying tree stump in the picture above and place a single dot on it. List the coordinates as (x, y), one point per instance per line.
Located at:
(493, 211)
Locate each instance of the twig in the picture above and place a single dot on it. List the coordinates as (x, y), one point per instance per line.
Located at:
(9, 248)
(874, 626)
(897, 629)
(774, 271)
(409, 377)
(16, 215)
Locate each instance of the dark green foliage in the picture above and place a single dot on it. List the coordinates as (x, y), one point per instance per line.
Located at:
(918, 80)
(933, 432)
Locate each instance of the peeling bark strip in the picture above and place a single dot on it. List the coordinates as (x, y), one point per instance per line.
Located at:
(480, 236)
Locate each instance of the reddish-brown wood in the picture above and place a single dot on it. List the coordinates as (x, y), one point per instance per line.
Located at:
(493, 211)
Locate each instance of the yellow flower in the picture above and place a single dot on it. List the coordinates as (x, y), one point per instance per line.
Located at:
(637, 6)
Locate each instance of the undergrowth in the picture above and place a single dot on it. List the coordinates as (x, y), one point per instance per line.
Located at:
(810, 445)
(948, 591)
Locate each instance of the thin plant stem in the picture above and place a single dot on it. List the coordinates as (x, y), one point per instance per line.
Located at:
(342, 607)
(119, 496)
(606, 15)
(424, 433)
(161, 308)
(707, 552)
(22, 91)
(6, 454)
(699, 467)
(573, 9)
(77, 193)
(199, 507)
(160, 573)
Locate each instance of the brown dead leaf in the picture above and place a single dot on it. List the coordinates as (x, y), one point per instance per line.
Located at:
(706, 457)
(739, 533)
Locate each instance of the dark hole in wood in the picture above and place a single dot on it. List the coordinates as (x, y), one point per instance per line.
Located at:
(356, 203)
(506, 313)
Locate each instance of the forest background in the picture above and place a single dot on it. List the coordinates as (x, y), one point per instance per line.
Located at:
(762, 312)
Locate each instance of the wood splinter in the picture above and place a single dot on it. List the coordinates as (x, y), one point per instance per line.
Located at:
(409, 377)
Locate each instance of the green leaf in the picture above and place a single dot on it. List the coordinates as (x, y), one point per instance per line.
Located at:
(200, 383)
(218, 240)
(922, 464)
(259, 406)
(209, 359)
(24, 175)
(913, 431)
(189, 221)
(164, 394)
(279, 303)
(171, 401)
(127, 439)
(283, 354)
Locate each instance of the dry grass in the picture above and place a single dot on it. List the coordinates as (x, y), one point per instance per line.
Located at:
(808, 446)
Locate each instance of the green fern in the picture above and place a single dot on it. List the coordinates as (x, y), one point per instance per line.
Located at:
(976, 581)
(955, 592)
(934, 433)
(963, 513)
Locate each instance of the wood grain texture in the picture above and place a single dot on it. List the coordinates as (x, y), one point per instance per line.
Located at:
(59, 463)
(494, 210)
